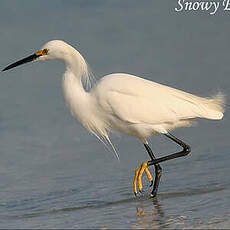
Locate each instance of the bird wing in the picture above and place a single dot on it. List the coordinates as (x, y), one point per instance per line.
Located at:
(136, 100)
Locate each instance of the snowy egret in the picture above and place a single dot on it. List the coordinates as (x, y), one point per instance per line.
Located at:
(128, 104)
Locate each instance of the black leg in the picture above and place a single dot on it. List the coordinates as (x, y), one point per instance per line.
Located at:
(186, 150)
(158, 170)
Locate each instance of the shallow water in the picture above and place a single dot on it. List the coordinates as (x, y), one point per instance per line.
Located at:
(53, 174)
(70, 183)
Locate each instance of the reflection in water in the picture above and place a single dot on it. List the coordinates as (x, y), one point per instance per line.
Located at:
(152, 218)
(145, 212)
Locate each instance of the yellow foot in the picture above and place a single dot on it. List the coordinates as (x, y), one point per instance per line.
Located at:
(138, 175)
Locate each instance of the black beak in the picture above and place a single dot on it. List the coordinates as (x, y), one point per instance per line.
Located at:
(22, 61)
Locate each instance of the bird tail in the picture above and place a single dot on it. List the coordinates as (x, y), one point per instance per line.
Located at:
(214, 106)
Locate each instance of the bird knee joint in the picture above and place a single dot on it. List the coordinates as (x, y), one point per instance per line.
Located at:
(187, 149)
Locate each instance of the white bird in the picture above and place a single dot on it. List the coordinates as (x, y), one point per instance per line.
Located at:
(128, 104)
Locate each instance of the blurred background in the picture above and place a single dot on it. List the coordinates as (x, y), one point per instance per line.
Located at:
(53, 173)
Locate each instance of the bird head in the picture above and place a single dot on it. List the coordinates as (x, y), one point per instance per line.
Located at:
(55, 49)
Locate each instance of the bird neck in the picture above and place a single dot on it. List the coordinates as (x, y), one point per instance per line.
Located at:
(77, 98)
(76, 66)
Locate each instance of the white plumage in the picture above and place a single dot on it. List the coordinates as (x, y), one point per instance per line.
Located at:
(127, 103)
(144, 108)
(124, 102)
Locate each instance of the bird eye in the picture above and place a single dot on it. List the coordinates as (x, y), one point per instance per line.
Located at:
(45, 52)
